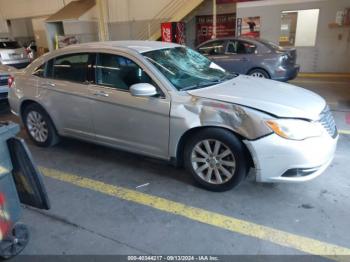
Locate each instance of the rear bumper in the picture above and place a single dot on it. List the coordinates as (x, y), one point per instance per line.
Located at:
(286, 74)
(281, 160)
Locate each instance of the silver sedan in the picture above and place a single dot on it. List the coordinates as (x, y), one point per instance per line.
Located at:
(170, 102)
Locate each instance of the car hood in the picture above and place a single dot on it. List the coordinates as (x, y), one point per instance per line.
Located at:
(279, 99)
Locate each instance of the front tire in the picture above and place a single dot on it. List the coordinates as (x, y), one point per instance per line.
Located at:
(39, 126)
(216, 159)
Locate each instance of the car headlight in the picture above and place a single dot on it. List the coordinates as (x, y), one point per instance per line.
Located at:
(294, 129)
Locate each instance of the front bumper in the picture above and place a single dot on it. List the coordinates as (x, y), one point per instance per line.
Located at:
(281, 160)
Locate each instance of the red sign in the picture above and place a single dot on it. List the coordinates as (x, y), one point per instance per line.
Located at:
(167, 32)
(180, 33)
(225, 26)
(173, 32)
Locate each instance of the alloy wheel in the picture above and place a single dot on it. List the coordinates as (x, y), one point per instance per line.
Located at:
(213, 161)
(258, 74)
(37, 126)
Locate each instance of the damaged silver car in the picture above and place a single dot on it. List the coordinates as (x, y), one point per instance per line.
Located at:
(167, 101)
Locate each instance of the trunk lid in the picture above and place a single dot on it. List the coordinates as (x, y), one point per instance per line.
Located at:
(13, 54)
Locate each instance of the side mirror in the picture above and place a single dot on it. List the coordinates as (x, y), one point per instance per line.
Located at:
(143, 89)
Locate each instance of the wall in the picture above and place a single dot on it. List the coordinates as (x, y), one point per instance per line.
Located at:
(127, 18)
(85, 31)
(206, 8)
(16, 10)
(21, 30)
(90, 15)
(30, 8)
(39, 31)
(330, 54)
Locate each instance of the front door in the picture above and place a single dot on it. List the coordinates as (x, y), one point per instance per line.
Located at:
(137, 124)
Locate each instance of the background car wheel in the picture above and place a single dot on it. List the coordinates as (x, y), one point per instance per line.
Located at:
(39, 126)
(216, 159)
(260, 73)
(15, 243)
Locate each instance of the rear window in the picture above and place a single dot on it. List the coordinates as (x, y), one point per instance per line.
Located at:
(9, 45)
(73, 67)
(272, 45)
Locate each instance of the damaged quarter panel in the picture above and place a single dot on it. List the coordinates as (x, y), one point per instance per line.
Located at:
(190, 112)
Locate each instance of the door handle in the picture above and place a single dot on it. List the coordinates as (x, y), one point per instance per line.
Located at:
(244, 59)
(102, 94)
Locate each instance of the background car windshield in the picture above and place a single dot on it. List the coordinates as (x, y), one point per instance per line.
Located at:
(9, 45)
(187, 69)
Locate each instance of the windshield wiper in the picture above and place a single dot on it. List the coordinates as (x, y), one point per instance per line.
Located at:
(209, 83)
(229, 77)
(199, 85)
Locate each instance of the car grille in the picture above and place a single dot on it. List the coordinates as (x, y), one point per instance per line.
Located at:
(327, 121)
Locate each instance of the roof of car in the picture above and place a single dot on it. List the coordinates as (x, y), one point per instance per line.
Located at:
(138, 46)
(246, 38)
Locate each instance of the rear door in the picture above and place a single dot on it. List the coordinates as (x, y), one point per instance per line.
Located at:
(64, 91)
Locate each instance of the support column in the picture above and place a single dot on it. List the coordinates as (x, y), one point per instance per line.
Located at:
(214, 20)
(103, 19)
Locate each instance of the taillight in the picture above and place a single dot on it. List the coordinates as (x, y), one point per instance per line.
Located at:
(284, 59)
(10, 81)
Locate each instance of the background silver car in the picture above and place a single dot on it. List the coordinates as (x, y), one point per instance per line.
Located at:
(12, 54)
(170, 102)
(5, 72)
(258, 58)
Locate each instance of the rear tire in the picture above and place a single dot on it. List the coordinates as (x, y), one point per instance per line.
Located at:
(39, 126)
(259, 73)
(216, 159)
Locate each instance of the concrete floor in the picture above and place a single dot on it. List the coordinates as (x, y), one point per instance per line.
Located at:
(83, 221)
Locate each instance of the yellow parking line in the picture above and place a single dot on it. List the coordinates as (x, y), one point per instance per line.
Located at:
(320, 75)
(279, 237)
(344, 132)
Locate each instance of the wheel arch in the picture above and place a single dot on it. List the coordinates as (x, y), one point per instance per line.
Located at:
(179, 159)
(25, 103)
(259, 68)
